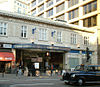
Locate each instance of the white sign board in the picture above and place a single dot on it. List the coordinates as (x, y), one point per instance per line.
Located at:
(36, 65)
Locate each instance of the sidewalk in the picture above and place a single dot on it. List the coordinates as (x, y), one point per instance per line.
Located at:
(13, 76)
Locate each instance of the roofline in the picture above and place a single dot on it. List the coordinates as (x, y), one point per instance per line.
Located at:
(46, 21)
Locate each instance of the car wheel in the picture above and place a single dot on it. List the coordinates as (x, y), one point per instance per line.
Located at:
(80, 82)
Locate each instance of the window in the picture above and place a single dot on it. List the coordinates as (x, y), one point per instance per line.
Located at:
(76, 23)
(86, 40)
(49, 3)
(73, 38)
(50, 12)
(59, 36)
(43, 34)
(34, 12)
(3, 28)
(90, 7)
(24, 31)
(40, 1)
(33, 3)
(90, 22)
(73, 14)
(57, 0)
(41, 15)
(73, 62)
(60, 8)
(19, 10)
(41, 8)
(72, 2)
(61, 17)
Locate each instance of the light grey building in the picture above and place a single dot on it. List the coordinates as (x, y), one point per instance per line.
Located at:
(37, 40)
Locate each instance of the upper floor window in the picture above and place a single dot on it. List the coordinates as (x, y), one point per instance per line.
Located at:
(76, 23)
(60, 8)
(61, 17)
(90, 22)
(19, 10)
(33, 3)
(3, 28)
(41, 8)
(40, 1)
(42, 34)
(73, 38)
(24, 31)
(41, 15)
(72, 2)
(57, 0)
(50, 12)
(34, 12)
(90, 7)
(73, 14)
(86, 40)
(59, 36)
(49, 3)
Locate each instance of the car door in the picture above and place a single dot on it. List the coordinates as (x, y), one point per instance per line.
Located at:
(90, 76)
(97, 77)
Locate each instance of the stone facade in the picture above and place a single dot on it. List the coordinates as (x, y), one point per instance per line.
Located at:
(77, 50)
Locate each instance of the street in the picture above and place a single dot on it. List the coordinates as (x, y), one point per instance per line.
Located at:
(42, 81)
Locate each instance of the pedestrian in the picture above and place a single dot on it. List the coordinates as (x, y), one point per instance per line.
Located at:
(19, 71)
(33, 70)
(51, 69)
(26, 71)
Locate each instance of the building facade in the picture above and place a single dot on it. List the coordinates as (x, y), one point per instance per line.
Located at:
(16, 6)
(84, 13)
(45, 42)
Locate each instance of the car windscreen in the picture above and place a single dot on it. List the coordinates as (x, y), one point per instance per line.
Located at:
(80, 68)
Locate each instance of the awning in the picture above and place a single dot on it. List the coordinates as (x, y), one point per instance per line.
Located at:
(6, 56)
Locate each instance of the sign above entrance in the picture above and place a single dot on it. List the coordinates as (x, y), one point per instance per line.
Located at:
(6, 56)
(42, 47)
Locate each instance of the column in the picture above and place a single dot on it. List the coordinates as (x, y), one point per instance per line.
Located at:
(65, 62)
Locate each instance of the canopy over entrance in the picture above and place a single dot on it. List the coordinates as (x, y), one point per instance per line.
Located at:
(6, 56)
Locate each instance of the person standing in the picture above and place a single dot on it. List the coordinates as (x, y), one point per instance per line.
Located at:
(51, 69)
(33, 70)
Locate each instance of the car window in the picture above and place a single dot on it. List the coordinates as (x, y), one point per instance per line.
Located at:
(80, 68)
(94, 68)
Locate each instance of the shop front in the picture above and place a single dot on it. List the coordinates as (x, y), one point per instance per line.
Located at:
(6, 61)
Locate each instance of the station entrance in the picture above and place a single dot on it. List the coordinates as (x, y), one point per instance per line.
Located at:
(44, 60)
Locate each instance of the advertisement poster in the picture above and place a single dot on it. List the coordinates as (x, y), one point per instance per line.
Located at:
(36, 65)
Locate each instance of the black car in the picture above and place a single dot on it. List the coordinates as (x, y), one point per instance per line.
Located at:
(83, 74)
